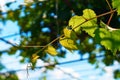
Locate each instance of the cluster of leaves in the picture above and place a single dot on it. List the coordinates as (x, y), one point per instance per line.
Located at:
(42, 22)
(79, 24)
(109, 38)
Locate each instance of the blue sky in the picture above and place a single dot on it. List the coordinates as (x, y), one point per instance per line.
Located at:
(81, 69)
(9, 29)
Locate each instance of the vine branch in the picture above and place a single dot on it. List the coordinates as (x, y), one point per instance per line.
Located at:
(49, 44)
(43, 47)
(74, 28)
(111, 13)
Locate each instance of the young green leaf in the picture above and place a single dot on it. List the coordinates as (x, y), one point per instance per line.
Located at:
(51, 50)
(109, 39)
(68, 43)
(69, 34)
(116, 4)
(90, 25)
(34, 58)
(75, 22)
(79, 23)
(88, 14)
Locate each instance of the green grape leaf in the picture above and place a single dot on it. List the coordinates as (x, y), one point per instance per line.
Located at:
(68, 43)
(109, 39)
(88, 14)
(51, 50)
(91, 25)
(75, 22)
(69, 33)
(116, 4)
(85, 22)
(34, 58)
(90, 28)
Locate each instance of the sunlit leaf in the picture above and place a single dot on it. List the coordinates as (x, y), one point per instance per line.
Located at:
(69, 33)
(91, 25)
(109, 39)
(51, 50)
(34, 58)
(116, 4)
(88, 14)
(90, 28)
(82, 22)
(75, 22)
(68, 43)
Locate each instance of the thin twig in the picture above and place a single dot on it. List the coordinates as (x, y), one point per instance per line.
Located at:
(109, 4)
(49, 44)
(32, 46)
(110, 18)
(111, 13)
(8, 42)
(11, 35)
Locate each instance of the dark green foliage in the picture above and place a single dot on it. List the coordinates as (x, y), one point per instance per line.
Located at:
(117, 74)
